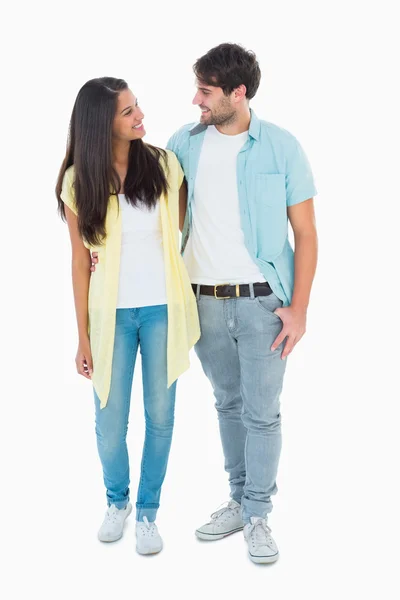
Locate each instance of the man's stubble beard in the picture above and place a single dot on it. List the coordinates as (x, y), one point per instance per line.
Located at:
(224, 115)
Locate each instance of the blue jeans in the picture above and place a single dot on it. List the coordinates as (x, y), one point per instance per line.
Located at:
(145, 327)
(235, 352)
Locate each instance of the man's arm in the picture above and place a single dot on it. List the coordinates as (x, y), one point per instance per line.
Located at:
(182, 204)
(302, 220)
(172, 143)
(182, 215)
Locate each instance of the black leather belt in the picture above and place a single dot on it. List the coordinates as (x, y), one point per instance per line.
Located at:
(224, 291)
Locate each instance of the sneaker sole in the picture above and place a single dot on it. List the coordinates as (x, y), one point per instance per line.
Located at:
(115, 539)
(148, 553)
(215, 536)
(264, 560)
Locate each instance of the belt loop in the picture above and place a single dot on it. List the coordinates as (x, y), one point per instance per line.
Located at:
(197, 291)
(251, 288)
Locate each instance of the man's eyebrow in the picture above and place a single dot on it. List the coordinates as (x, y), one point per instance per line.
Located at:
(203, 89)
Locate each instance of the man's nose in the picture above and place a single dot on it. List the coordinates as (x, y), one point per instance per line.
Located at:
(196, 99)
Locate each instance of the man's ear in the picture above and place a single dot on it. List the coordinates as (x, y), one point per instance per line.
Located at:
(239, 93)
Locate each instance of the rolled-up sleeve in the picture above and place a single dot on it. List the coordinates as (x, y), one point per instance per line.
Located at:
(299, 179)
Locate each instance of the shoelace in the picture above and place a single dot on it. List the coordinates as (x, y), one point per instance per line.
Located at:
(149, 528)
(146, 522)
(262, 533)
(111, 515)
(215, 515)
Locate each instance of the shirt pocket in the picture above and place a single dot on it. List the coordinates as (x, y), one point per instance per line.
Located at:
(271, 215)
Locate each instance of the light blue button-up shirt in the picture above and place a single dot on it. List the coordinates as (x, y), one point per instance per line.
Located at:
(272, 173)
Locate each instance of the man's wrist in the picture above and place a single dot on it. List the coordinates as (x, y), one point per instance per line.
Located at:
(299, 307)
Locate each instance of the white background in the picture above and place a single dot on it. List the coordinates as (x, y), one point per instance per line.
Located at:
(329, 76)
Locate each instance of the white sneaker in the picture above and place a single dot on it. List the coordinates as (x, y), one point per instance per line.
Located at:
(262, 547)
(148, 540)
(223, 522)
(113, 524)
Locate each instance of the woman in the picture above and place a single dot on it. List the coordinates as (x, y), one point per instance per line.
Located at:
(120, 198)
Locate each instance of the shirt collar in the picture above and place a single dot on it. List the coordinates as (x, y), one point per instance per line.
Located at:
(255, 125)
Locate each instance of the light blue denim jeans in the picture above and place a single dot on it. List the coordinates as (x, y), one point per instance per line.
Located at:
(145, 328)
(235, 352)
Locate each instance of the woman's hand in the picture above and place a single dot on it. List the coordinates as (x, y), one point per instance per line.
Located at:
(95, 260)
(83, 360)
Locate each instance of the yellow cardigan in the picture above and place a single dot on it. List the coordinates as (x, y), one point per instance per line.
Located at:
(183, 321)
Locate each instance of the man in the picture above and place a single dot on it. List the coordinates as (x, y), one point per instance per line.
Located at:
(246, 178)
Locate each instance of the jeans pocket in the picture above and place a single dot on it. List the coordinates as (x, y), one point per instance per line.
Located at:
(268, 304)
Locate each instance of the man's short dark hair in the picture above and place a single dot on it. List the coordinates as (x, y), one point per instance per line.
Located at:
(228, 66)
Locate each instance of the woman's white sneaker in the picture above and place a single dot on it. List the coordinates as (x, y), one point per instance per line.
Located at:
(262, 547)
(223, 522)
(148, 540)
(113, 524)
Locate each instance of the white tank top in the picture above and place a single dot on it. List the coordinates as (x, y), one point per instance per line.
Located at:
(142, 270)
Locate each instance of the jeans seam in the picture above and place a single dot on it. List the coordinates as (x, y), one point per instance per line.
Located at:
(126, 416)
(142, 470)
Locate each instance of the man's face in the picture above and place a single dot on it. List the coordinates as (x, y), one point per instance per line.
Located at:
(216, 108)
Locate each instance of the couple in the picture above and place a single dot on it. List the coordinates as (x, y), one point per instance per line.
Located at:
(229, 183)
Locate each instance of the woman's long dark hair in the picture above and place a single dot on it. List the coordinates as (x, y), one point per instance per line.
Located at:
(89, 149)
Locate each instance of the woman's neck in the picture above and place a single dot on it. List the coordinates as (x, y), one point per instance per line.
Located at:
(121, 153)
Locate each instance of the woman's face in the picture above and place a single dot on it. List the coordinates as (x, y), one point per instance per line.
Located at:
(128, 118)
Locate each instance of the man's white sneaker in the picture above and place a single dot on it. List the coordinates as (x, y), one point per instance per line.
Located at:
(262, 547)
(113, 524)
(223, 522)
(148, 540)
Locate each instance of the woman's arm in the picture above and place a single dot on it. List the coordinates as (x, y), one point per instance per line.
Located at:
(182, 204)
(81, 264)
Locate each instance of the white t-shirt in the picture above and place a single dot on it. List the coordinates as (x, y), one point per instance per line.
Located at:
(216, 252)
(142, 270)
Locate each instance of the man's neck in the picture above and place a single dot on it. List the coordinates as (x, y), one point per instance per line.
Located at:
(239, 125)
